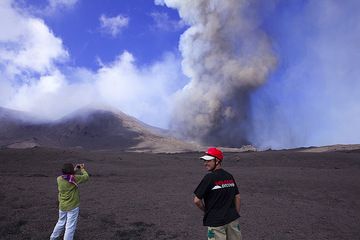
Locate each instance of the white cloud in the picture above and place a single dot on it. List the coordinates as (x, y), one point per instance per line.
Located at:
(26, 43)
(145, 93)
(54, 4)
(49, 8)
(33, 95)
(164, 22)
(10, 19)
(113, 25)
(31, 79)
(141, 92)
(6, 90)
(159, 2)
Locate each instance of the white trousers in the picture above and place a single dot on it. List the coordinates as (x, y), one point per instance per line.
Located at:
(67, 220)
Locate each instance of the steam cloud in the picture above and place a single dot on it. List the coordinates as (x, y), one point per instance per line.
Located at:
(226, 56)
(313, 98)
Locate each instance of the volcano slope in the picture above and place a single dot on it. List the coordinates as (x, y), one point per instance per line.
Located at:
(87, 128)
(284, 194)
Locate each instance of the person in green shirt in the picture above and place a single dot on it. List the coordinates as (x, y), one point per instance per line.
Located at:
(69, 199)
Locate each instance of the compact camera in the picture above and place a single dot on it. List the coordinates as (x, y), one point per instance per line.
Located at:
(78, 166)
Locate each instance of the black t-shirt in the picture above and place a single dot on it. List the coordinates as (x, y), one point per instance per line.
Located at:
(218, 189)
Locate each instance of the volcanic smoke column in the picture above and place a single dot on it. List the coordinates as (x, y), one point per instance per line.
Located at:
(226, 56)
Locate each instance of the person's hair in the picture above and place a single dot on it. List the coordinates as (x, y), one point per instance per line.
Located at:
(68, 168)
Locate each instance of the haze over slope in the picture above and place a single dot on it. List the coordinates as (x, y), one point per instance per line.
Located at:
(90, 129)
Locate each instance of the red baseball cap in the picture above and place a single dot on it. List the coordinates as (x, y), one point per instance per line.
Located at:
(212, 153)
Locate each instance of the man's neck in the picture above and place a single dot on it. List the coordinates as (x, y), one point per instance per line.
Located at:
(217, 168)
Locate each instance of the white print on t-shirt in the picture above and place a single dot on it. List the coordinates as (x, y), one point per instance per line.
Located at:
(223, 184)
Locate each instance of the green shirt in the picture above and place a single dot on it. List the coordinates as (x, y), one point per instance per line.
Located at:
(69, 193)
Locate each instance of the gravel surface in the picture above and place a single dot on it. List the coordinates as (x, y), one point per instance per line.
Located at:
(285, 194)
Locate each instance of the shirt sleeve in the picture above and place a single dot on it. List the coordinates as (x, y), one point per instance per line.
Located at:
(203, 187)
(82, 178)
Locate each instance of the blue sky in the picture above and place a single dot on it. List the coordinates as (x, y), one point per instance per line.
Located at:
(285, 71)
(147, 33)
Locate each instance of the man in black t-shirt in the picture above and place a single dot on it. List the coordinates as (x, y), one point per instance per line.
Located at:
(218, 197)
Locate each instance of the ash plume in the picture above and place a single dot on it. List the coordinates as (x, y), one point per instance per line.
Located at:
(226, 56)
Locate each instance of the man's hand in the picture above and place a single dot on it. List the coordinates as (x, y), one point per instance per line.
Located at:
(199, 203)
(237, 202)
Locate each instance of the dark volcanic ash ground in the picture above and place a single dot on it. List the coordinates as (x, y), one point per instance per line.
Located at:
(284, 194)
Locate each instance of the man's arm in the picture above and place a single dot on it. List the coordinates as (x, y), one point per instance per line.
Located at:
(237, 202)
(199, 203)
